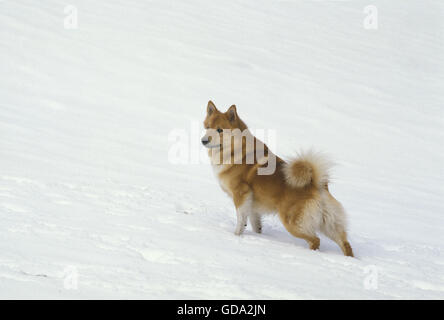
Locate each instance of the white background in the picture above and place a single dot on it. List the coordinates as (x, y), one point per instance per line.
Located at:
(87, 192)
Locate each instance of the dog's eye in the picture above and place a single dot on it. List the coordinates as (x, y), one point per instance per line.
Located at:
(219, 130)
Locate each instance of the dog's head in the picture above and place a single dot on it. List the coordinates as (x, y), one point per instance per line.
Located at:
(216, 122)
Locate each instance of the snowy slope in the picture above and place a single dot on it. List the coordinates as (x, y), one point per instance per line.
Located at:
(92, 207)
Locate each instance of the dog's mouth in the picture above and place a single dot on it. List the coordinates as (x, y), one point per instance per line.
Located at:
(212, 146)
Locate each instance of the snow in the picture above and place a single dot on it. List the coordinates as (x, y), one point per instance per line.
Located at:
(91, 206)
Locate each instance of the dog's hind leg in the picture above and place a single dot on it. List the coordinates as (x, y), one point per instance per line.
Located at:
(334, 224)
(244, 207)
(311, 238)
(303, 224)
(256, 221)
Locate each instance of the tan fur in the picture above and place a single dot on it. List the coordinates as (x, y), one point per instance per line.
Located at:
(297, 191)
(308, 167)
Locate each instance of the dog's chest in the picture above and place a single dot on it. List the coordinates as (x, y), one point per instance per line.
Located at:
(218, 169)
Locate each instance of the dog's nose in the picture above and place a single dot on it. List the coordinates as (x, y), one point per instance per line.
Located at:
(205, 141)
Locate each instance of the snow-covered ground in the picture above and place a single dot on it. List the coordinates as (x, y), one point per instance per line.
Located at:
(91, 205)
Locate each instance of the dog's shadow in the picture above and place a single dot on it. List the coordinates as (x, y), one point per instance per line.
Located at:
(277, 235)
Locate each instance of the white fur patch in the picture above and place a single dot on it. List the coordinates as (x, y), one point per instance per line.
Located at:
(312, 217)
(334, 219)
(243, 212)
(218, 169)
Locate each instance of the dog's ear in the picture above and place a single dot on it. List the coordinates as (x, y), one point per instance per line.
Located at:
(232, 113)
(210, 108)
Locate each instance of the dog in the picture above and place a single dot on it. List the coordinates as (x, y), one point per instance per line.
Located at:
(297, 190)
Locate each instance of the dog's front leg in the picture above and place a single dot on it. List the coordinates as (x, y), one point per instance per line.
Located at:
(256, 222)
(243, 209)
(241, 223)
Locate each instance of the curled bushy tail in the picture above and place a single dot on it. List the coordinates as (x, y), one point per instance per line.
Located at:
(308, 167)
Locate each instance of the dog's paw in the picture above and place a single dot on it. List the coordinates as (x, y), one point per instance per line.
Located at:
(239, 231)
(257, 227)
